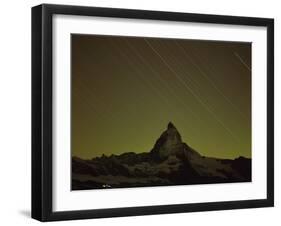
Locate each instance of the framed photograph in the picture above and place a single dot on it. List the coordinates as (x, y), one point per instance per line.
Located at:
(146, 112)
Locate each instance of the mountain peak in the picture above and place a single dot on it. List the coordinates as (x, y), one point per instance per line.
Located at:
(171, 126)
(168, 143)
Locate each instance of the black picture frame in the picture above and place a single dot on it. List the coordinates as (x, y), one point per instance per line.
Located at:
(42, 111)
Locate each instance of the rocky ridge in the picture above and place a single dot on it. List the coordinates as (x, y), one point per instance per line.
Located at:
(170, 162)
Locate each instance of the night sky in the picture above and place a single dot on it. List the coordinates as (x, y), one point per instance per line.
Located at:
(125, 90)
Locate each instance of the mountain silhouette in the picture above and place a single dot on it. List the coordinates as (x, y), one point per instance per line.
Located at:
(170, 162)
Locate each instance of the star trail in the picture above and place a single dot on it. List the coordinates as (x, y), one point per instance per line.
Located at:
(125, 90)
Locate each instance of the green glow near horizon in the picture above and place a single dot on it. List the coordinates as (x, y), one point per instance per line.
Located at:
(125, 90)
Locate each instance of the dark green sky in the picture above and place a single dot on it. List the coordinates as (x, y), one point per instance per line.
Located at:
(125, 90)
